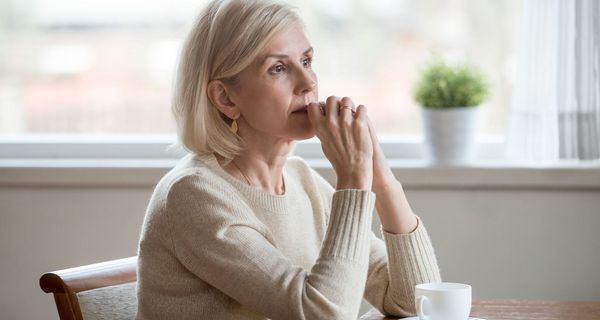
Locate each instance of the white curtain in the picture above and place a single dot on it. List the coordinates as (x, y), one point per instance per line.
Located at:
(555, 111)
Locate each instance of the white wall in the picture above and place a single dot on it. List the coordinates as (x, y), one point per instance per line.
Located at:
(525, 244)
(46, 229)
(533, 240)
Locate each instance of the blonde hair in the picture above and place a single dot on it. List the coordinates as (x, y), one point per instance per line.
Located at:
(226, 38)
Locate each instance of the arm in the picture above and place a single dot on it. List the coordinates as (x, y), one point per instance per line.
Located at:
(236, 256)
(410, 258)
(396, 264)
(400, 261)
(394, 211)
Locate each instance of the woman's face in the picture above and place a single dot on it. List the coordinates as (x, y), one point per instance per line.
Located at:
(279, 82)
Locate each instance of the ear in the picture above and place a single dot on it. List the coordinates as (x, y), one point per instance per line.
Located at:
(219, 95)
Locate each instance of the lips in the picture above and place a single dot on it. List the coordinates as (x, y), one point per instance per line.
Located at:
(301, 109)
(304, 108)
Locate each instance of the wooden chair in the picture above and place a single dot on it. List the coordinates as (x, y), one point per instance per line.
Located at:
(103, 290)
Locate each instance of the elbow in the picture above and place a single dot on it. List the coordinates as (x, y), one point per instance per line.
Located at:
(400, 310)
(316, 306)
(326, 312)
(323, 314)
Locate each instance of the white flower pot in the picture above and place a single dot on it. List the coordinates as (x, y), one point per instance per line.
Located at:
(450, 135)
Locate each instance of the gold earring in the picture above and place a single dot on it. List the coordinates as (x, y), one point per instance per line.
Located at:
(234, 127)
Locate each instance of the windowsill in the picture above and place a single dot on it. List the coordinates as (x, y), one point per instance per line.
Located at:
(140, 161)
(413, 174)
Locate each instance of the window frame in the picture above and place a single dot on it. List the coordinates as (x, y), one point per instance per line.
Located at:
(395, 147)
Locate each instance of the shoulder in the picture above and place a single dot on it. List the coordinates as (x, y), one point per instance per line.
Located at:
(190, 171)
(197, 184)
(202, 200)
(192, 183)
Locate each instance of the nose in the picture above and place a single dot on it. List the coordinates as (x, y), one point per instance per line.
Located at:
(307, 82)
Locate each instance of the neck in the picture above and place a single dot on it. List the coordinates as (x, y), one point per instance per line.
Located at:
(261, 164)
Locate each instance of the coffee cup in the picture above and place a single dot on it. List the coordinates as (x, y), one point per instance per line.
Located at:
(443, 301)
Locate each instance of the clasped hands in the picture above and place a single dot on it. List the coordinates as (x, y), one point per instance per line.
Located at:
(350, 143)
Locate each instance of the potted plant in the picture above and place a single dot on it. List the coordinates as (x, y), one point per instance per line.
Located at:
(450, 96)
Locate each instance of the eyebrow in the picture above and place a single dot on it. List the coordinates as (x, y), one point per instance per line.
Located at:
(283, 56)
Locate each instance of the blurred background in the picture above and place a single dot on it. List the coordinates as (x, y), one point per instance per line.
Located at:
(106, 67)
(85, 117)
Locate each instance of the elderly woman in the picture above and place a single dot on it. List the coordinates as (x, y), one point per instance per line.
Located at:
(240, 229)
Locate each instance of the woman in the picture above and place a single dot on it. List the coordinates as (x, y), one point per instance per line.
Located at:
(239, 230)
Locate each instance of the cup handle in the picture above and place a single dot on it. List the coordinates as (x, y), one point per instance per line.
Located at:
(420, 301)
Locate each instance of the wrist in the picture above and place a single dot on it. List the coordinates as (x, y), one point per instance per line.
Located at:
(384, 184)
(354, 182)
(406, 226)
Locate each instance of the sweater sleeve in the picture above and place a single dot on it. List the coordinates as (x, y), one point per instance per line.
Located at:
(396, 265)
(218, 240)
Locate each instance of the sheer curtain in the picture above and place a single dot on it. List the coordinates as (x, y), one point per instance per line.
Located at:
(555, 111)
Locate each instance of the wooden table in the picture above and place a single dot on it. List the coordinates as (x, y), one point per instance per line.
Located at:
(523, 310)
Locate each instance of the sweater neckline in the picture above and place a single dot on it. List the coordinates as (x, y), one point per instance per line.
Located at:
(272, 202)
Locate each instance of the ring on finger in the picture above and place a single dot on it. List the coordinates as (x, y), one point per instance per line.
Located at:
(347, 107)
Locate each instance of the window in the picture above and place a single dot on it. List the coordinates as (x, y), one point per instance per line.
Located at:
(106, 67)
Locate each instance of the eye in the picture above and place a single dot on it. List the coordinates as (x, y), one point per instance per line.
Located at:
(307, 62)
(277, 69)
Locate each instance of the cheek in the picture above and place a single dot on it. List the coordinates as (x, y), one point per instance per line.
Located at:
(316, 85)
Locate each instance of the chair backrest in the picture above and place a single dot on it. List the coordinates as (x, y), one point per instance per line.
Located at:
(103, 290)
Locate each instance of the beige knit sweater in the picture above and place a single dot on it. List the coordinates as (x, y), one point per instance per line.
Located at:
(213, 247)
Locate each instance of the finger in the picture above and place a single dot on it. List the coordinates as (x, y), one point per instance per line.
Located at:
(322, 107)
(345, 101)
(314, 114)
(346, 113)
(372, 130)
(331, 109)
(361, 113)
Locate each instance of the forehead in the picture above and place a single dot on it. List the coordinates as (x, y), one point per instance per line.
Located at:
(290, 41)
(289, 38)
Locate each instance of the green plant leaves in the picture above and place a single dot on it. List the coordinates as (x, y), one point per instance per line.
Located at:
(443, 86)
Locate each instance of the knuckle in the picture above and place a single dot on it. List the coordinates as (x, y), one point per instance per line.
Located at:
(346, 124)
(330, 122)
(360, 125)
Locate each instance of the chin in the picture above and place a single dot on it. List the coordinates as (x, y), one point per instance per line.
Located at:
(304, 135)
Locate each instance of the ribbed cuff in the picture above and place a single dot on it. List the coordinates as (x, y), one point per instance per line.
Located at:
(411, 259)
(350, 225)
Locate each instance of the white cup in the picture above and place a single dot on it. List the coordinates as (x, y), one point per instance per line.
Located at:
(443, 301)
